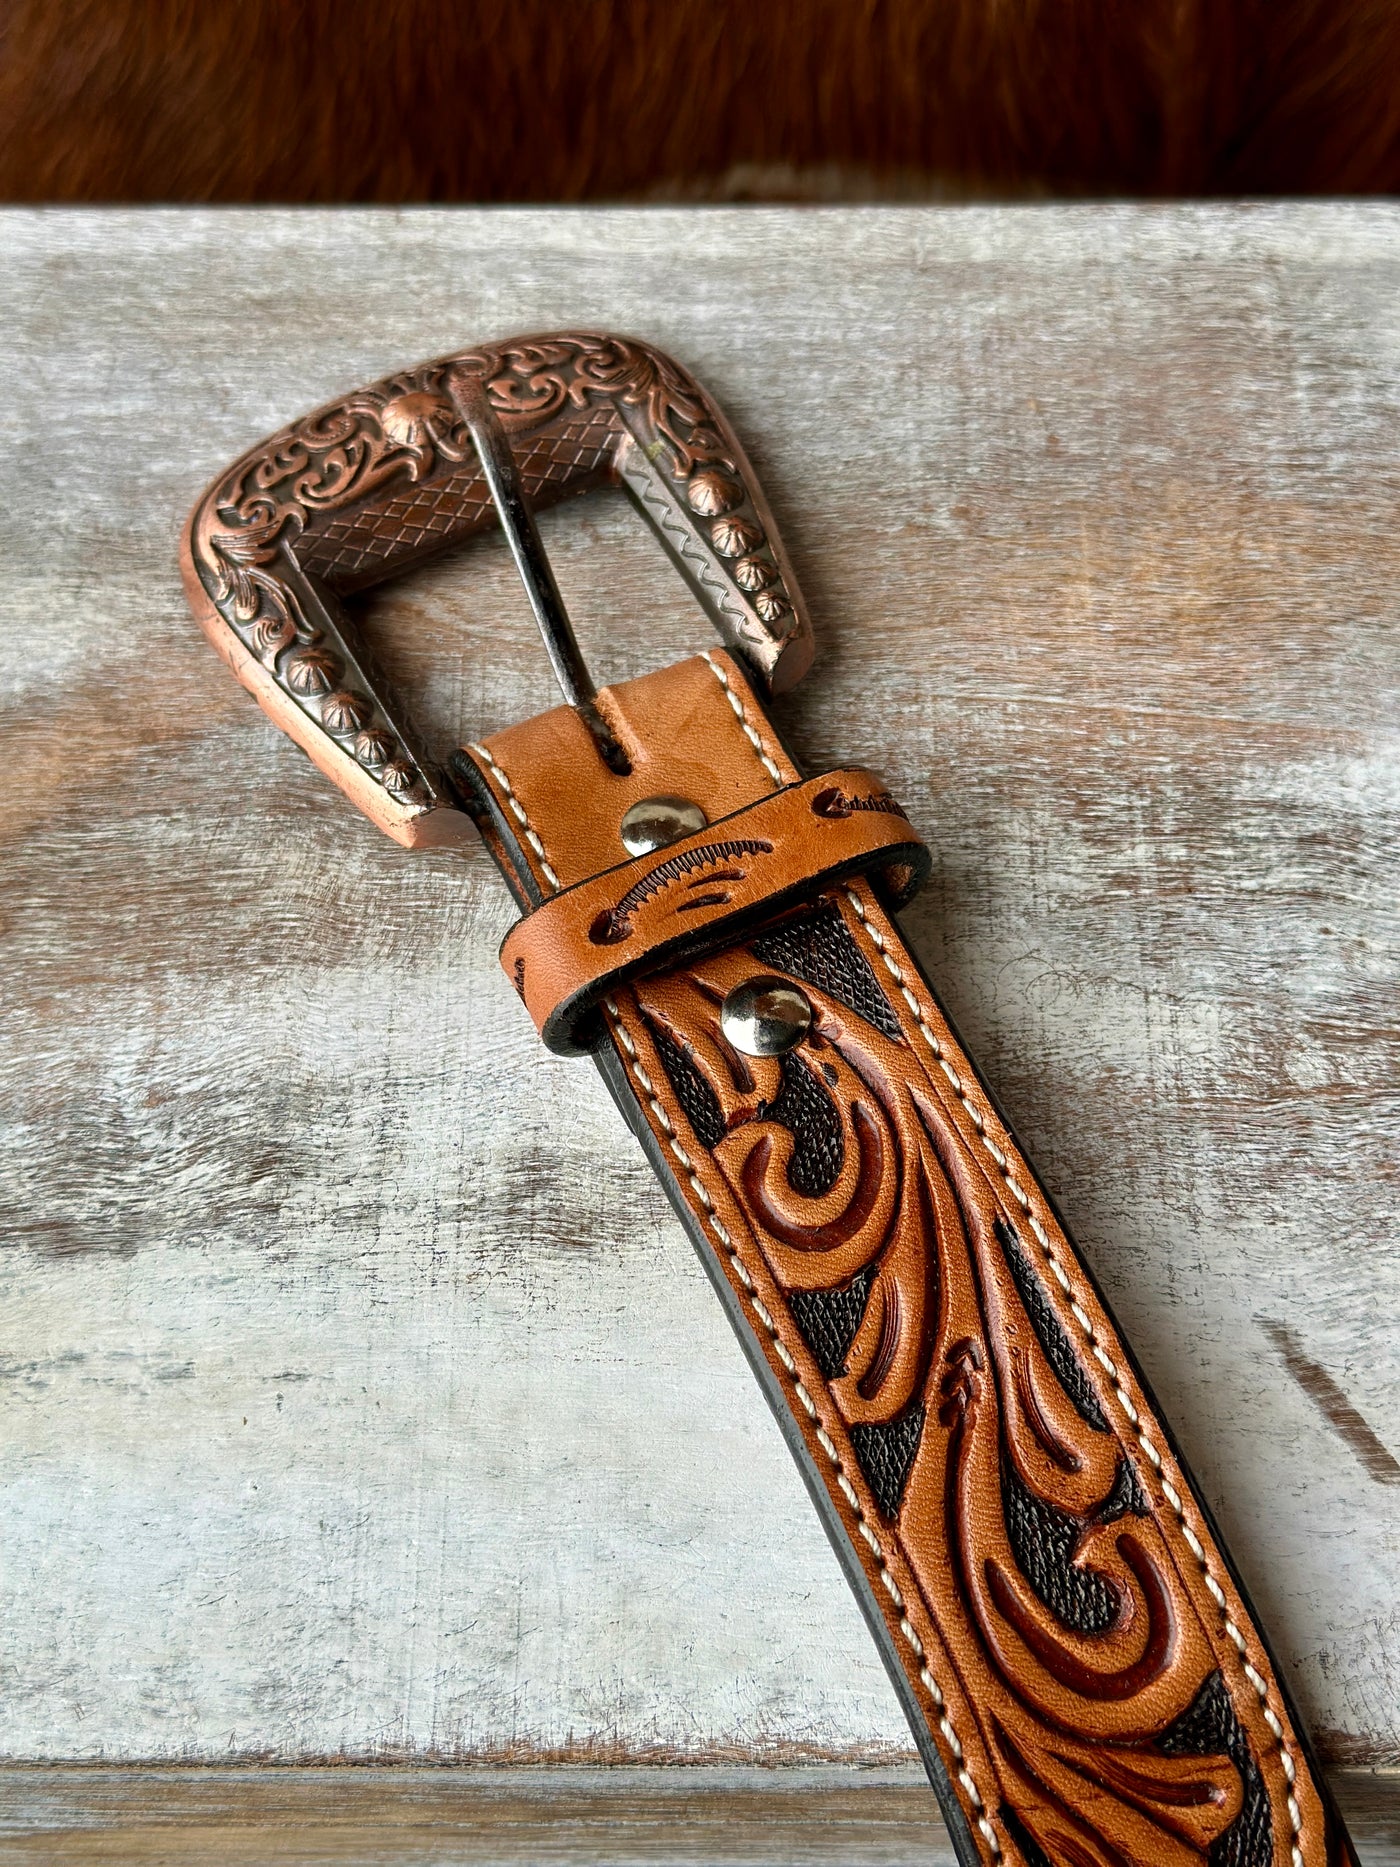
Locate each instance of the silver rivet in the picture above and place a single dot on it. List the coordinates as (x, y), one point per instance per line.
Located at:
(656, 821)
(764, 1017)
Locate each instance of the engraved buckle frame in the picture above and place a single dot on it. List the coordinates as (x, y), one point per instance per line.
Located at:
(410, 467)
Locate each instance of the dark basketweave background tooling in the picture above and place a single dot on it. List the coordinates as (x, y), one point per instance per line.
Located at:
(535, 100)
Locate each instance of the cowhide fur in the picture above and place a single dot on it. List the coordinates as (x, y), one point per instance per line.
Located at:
(408, 100)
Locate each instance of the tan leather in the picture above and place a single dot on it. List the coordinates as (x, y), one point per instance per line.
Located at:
(692, 730)
(700, 890)
(1069, 1631)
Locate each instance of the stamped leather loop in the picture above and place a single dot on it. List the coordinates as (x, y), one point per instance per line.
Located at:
(694, 894)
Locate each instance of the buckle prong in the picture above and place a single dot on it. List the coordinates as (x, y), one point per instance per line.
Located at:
(501, 472)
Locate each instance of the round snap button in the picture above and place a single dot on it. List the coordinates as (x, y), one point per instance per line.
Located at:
(656, 821)
(763, 1017)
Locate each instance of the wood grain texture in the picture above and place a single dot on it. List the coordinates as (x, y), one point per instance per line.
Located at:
(71, 1815)
(363, 1399)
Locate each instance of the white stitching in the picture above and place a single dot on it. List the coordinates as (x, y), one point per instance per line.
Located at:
(712, 1219)
(697, 1186)
(737, 704)
(1258, 1684)
(823, 1438)
(517, 810)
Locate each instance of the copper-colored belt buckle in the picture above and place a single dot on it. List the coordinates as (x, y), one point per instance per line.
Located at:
(412, 466)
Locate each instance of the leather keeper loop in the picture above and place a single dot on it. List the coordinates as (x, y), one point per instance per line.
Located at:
(700, 892)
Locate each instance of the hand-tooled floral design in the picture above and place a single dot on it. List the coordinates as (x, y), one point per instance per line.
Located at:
(1079, 1649)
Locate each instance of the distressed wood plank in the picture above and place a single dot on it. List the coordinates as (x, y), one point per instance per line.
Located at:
(407, 1817)
(362, 1399)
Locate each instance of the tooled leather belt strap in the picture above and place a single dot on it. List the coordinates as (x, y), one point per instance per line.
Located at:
(1084, 1678)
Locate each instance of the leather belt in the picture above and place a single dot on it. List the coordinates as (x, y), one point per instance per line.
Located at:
(1082, 1672)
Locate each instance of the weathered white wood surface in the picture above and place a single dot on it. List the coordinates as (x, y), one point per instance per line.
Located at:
(196, 1816)
(555, 1817)
(72, 1815)
(361, 1396)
